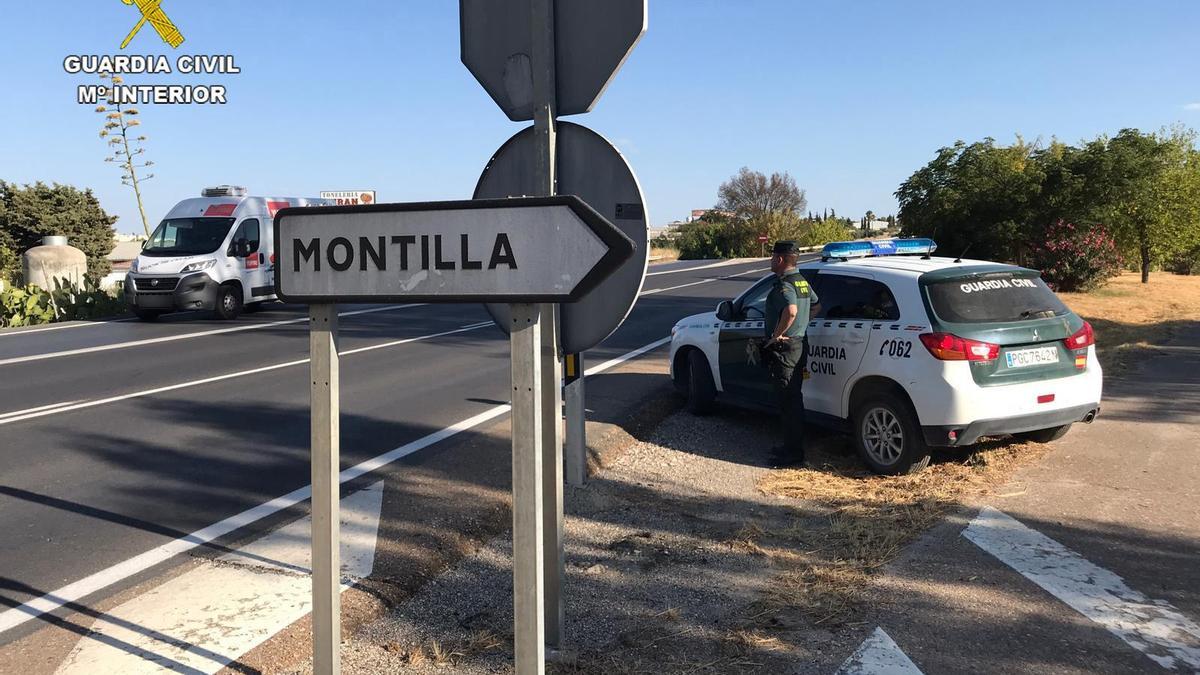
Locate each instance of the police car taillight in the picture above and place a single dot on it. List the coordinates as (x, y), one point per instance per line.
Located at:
(1082, 338)
(949, 347)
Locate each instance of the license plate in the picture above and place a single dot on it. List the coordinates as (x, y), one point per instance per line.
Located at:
(1023, 358)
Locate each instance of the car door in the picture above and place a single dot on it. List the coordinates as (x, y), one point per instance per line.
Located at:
(851, 303)
(742, 373)
(254, 269)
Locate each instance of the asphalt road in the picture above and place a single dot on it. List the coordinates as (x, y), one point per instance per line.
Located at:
(117, 437)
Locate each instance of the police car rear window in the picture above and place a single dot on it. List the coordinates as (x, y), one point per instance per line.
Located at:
(993, 298)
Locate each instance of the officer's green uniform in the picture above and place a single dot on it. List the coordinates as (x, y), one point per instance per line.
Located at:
(786, 360)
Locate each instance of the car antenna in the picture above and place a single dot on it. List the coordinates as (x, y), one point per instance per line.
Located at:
(960, 255)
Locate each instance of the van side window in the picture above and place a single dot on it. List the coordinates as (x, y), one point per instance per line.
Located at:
(844, 297)
(248, 230)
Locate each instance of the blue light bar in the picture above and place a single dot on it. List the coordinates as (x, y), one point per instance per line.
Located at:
(881, 247)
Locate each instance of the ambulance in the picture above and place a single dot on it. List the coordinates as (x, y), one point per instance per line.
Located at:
(907, 351)
(213, 252)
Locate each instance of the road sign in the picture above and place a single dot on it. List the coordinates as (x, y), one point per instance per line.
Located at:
(350, 197)
(592, 40)
(590, 167)
(537, 249)
(762, 237)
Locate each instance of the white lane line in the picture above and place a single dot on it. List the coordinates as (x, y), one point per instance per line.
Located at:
(40, 407)
(206, 618)
(61, 408)
(480, 324)
(80, 324)
(705, 281)
(77, 590)
(188, 336)
(878, 655)
(719, 263)
(1153, 627)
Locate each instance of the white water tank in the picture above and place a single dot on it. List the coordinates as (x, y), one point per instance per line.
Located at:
(54, 259)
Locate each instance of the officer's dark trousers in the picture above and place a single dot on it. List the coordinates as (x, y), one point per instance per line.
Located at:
(786, 370)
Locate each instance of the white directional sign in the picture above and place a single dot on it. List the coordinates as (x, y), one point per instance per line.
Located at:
(537, 249)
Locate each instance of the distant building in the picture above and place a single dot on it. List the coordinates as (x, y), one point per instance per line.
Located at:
(124, 252)
(877, 225)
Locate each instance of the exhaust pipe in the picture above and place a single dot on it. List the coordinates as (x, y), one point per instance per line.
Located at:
(1090, 416)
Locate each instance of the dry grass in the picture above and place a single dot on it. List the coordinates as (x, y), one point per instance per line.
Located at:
(1131, 317)
(866, 521)
(661, 255)
(438, 654)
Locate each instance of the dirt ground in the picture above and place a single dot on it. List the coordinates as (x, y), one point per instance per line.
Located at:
(688, 554)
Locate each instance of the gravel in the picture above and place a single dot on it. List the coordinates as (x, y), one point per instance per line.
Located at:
(656, 577)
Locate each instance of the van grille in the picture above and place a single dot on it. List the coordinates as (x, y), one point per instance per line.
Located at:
(155, 283)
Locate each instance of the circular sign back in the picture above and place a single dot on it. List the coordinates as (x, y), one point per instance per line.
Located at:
(591, 168)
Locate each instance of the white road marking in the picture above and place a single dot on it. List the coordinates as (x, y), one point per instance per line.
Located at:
(187, 336)
(878, 655)
(61, 408)
(719, 263)
(207, 617)
(40, 407)
(705, 281)
(98, 581)
(77, 324)
(1153, 627)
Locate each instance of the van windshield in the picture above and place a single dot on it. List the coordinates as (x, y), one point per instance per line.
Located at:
(187, 236)
(996, 297)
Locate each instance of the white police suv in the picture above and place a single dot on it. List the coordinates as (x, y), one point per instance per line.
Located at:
(907, 351)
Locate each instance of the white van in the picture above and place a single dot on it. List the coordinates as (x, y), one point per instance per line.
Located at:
(214, 252)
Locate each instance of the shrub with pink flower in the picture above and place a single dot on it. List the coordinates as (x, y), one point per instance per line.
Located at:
(1076, 257)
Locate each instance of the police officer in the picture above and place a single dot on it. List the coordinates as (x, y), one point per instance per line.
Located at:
(786, 349)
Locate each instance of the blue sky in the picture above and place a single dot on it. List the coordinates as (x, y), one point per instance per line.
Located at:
(848, 97)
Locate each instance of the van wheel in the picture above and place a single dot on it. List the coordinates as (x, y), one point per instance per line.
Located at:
(147, 314)
(229, 302)
(701, 390)
(1043, 435)
(887, 437)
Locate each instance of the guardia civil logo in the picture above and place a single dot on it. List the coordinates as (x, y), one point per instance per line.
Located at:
(153, 13)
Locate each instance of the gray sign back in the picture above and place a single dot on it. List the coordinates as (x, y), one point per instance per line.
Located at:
(592, 39)
(591, 168)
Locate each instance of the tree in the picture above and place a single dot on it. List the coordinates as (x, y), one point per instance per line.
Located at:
(1148, 192)
(34, 211)
(126, 149)
(978, 196)
(750, 195)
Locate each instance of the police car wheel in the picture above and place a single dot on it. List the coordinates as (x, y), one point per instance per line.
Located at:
(887, 438)
(229, 302)
(1044, 435)
(701, 390)
(147, 314)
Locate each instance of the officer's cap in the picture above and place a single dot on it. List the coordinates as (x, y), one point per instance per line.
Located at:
(784, 248)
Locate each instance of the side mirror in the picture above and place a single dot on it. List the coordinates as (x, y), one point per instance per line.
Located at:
(725, 311)
(241, 248)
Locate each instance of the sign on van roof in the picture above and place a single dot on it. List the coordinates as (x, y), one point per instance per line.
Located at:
(350, 197)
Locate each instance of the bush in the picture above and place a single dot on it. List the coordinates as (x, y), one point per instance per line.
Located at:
(1076, 258)
(1184, 263)
(30, 305)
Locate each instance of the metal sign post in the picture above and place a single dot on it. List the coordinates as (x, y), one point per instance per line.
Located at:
(575, 448)
(326, 463)
(529, 637)
(544, 99)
